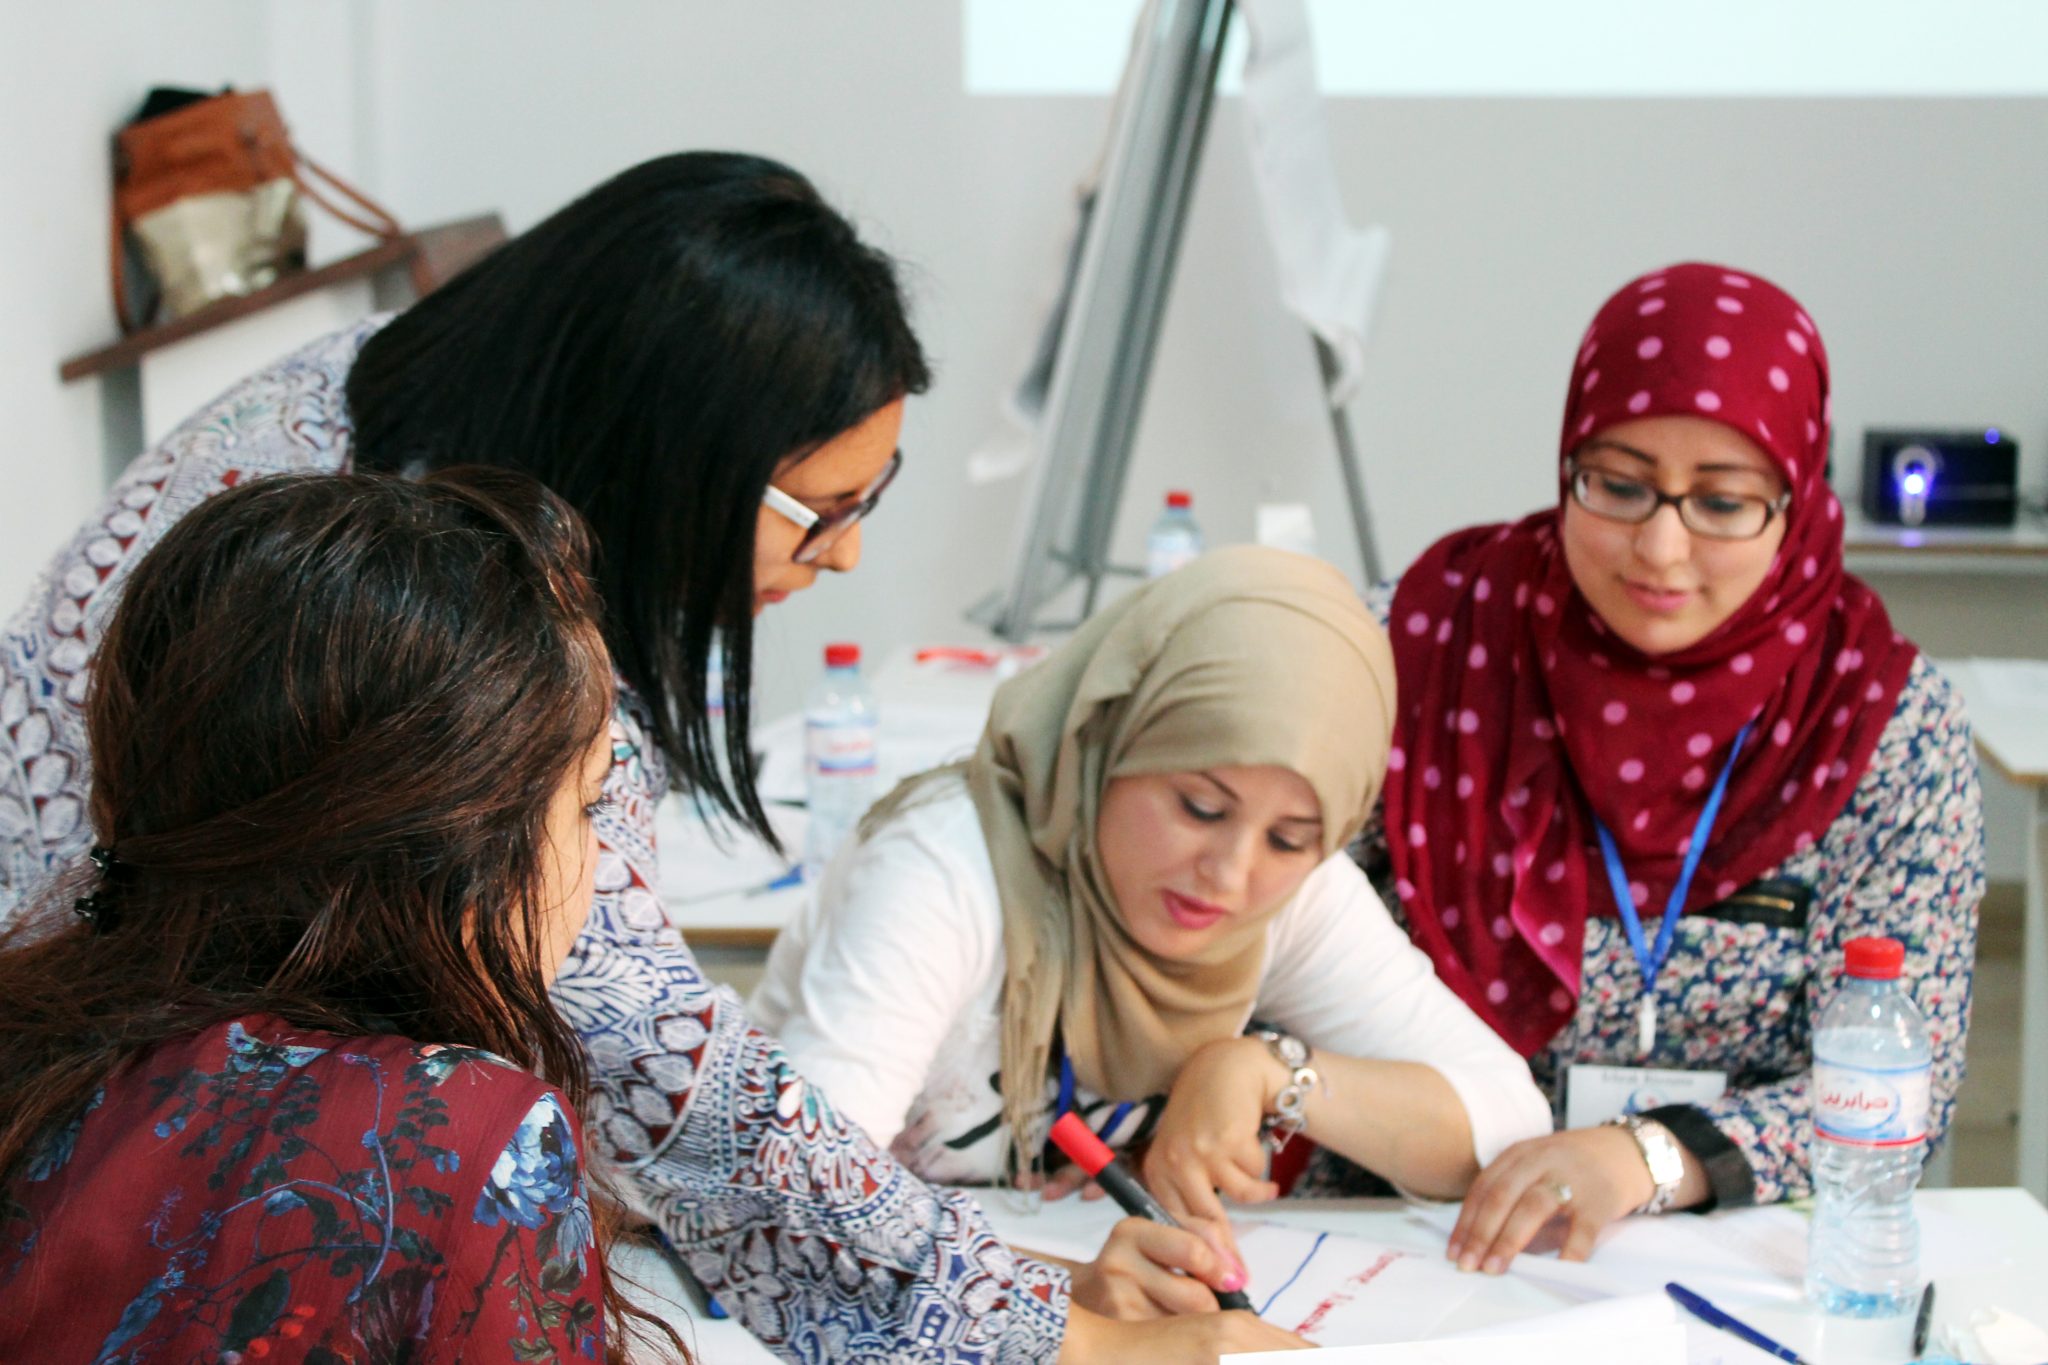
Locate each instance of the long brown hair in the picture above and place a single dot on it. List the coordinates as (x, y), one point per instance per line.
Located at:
(327, 721)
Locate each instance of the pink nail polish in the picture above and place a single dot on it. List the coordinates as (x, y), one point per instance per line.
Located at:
(1235, 1280)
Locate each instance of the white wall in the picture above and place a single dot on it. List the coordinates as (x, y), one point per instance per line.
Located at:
(69, 75)
(1909, 227)
(1912, 229)
(520, 106)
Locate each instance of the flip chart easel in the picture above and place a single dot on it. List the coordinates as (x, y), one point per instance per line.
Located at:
(1109, 327)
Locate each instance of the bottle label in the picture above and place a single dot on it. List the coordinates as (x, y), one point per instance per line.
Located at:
(842, 748)
(1871, 1106)
(1161, 560)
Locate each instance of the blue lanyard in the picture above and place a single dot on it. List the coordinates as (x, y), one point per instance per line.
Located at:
(1066, 1100)
(1650, 960)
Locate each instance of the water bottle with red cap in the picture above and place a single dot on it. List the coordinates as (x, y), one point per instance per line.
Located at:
(841, 727)
(1871, 1068)
(1175, 539)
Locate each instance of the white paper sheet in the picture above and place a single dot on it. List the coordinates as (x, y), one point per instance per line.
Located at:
(1341, 1291)
(1329, 270)
(1759, 1249)
(1640, 1346)
(1704, 1345)
(1763, 1250)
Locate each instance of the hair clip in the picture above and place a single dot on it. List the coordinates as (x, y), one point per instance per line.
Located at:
(95, 909)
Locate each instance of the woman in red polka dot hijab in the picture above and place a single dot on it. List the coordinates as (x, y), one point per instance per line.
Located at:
(1664, 688)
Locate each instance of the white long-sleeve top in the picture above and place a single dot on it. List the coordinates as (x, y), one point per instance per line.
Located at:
(887, 993)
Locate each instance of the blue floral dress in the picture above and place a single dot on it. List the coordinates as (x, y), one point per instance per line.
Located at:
(819, 1242)
(254, 1192)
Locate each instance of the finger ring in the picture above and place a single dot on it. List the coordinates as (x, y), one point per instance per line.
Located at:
(1561, 1191)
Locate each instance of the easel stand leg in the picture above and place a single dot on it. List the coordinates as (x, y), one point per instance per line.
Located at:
(1348, 465)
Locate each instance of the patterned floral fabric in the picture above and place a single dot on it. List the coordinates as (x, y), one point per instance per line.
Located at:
(821, 1244)
(256, 1191)
(1905, 858)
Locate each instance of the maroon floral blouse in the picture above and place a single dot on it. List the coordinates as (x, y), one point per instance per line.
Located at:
(255, 1192)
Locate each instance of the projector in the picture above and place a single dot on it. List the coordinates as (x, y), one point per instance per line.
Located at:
(1941, 478)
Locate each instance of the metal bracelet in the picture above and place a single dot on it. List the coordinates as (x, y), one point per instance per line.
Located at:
(1290, 1109)
(1290, 1106)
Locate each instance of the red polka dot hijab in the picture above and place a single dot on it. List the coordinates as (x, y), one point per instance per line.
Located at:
(1522, 718)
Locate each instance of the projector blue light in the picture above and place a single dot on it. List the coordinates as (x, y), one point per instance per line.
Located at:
(1964, 476)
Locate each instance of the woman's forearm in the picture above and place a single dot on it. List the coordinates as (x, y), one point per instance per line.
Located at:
(1401, 1120)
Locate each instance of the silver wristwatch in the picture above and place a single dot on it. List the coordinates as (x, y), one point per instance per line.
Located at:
(1661, 1154)
(1290, 1106)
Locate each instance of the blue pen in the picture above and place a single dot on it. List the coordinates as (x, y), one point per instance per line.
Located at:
(1714, 1317)
(793, 877)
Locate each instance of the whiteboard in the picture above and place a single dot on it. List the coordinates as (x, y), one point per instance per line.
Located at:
(1563, 48)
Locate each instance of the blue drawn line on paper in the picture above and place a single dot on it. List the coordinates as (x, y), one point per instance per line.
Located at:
(1321, 1237)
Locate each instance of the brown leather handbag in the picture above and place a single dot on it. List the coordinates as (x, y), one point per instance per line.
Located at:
(209, 186)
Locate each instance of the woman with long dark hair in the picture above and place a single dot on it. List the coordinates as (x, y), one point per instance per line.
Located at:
(268, 1074)
(661, 353)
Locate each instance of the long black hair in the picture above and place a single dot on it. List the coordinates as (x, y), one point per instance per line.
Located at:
(653, 353)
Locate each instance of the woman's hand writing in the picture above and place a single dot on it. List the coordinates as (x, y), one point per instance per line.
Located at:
(1198, 1339)
(1135, 1276)
(1207, 1141)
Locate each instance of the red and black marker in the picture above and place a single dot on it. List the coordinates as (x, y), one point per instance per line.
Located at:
(1108, 1170)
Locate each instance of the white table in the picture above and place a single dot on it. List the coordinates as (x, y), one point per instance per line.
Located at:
(720, 897)
(1872, 547)
(2012, 736)
(729, 891)
(2007, 1255)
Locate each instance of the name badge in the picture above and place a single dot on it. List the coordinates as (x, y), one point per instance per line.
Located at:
(1595, 1094)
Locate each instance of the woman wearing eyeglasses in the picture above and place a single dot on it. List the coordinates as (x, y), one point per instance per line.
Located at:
(1658, 758)
(705, 361)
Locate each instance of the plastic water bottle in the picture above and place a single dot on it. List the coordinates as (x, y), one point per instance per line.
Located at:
(714, 707)
(1175, 539)
(1871, 1063)
(840, 727)
(714, 681)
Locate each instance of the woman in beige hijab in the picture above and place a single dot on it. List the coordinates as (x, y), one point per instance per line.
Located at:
(1144, 856)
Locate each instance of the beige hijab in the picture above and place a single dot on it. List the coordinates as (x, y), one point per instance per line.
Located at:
(1248, 656)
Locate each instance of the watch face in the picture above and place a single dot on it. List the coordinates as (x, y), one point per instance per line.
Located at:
(1660, 1152)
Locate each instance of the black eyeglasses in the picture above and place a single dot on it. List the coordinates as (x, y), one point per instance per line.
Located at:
(1717, 516)
(823, 530)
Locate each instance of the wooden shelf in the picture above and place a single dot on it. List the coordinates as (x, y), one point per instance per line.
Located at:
(434, 255)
